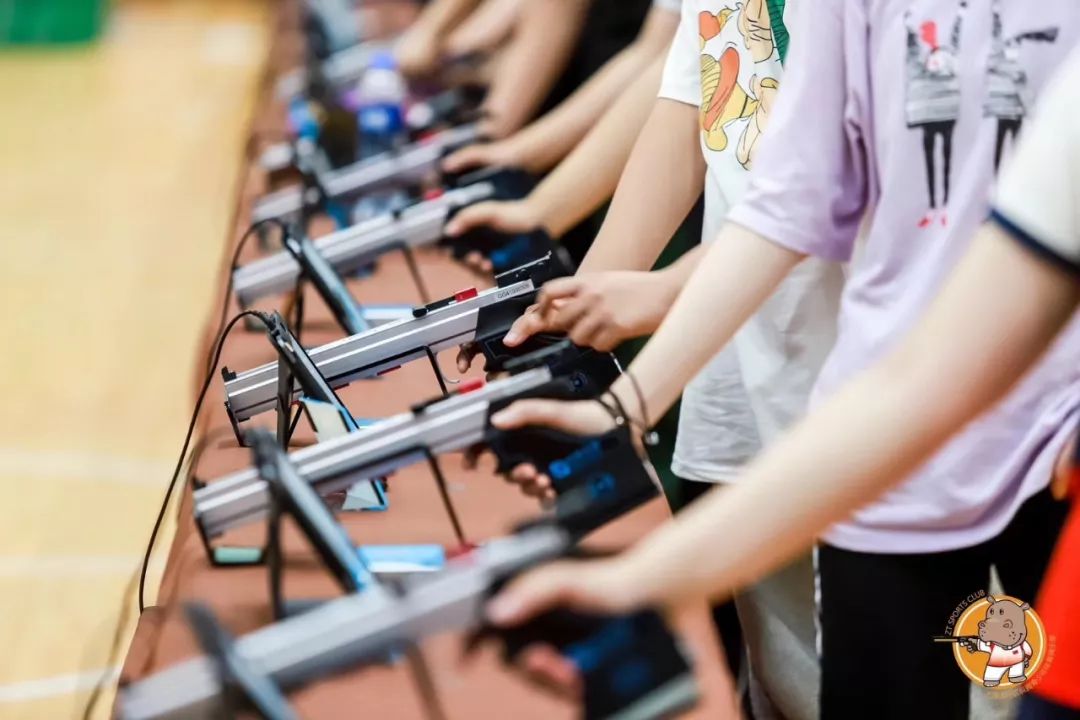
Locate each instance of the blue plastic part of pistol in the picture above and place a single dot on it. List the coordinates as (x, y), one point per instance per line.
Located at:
(401, 557)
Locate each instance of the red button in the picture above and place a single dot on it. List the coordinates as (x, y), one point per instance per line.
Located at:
(460, 551)
(463, 295)
(433, 193)
(469, 385)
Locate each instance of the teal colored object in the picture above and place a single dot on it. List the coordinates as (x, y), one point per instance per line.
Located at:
(51, 22)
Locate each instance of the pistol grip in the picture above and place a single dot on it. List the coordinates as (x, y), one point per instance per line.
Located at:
(536, 445)
(622, 660)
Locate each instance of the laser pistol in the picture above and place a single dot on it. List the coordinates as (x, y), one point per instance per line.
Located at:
(442, 425)
(421, 225)
(464, 317)
(406, 166)
(632, 666)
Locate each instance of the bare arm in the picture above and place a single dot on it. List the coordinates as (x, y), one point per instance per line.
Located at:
(972, 346)
(420, 48)
(541, 46)
(966, 353)
(644, 214)
(732, 278)
(548, 140)
(581, 183)
(737, 273)
(484, 29)
(588, 176)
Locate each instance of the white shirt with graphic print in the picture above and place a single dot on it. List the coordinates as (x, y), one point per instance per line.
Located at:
(724, 61)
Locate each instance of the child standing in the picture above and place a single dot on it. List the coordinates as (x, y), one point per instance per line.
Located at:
(838, 173)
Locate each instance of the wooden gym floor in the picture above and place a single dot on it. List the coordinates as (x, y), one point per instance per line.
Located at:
(118, 164)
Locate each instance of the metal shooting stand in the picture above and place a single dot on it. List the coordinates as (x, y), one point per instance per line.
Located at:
(245, 687)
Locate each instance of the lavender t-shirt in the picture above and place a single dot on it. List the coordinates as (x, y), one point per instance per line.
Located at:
(882, 150)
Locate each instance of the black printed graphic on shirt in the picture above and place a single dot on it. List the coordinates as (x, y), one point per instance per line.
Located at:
(932, 103)
(1006, 98)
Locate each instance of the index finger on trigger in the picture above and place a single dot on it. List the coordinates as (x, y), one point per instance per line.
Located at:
(555, 289)
(523, 328)
(527, 412)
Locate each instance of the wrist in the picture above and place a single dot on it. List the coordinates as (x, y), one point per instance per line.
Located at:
(669, 284)
(420, 32)
(513, 153)
(544, 211)
(632, 580)
(626, 399)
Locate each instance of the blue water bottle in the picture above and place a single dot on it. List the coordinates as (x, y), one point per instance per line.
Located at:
(380, 114)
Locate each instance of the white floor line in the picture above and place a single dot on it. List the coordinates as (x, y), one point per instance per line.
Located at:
(42, 688)
(47, 566)
(97, 467)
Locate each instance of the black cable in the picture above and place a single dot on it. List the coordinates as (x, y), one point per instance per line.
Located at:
(212, 360)
(232, 270)
(114, 650)
(199, 448)
(215, 358)
(129, 589)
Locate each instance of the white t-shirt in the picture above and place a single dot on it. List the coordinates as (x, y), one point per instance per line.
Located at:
(672, 5)
(1038, 194)
(725, 61)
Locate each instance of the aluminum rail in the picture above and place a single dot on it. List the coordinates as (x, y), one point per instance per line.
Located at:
(454, 423)
(349, 631)
(375, 351)
(407, 165)
(354, 247)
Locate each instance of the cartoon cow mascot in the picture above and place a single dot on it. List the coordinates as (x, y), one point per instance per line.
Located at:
(1003, 635)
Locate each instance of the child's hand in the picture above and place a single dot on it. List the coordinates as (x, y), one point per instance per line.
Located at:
(601, 310)
(418, 53)
(602, 586)
(503, 153)
(1063, 470)
(545, 667)
(583, 417)
(505, 216)
(508, 217)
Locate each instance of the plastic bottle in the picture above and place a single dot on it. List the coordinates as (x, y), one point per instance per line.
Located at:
(381, 98)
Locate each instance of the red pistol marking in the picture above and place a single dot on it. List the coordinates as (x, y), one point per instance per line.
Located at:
(468, 386)
(467, 294)
(461, 551)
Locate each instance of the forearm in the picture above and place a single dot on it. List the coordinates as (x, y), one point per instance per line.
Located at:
(644, 213)
(441, 15)
(548, 140)
(975, 342)
(736, 274)
(679, 272)
(586, 179)
(484, 29)
(539, 51)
